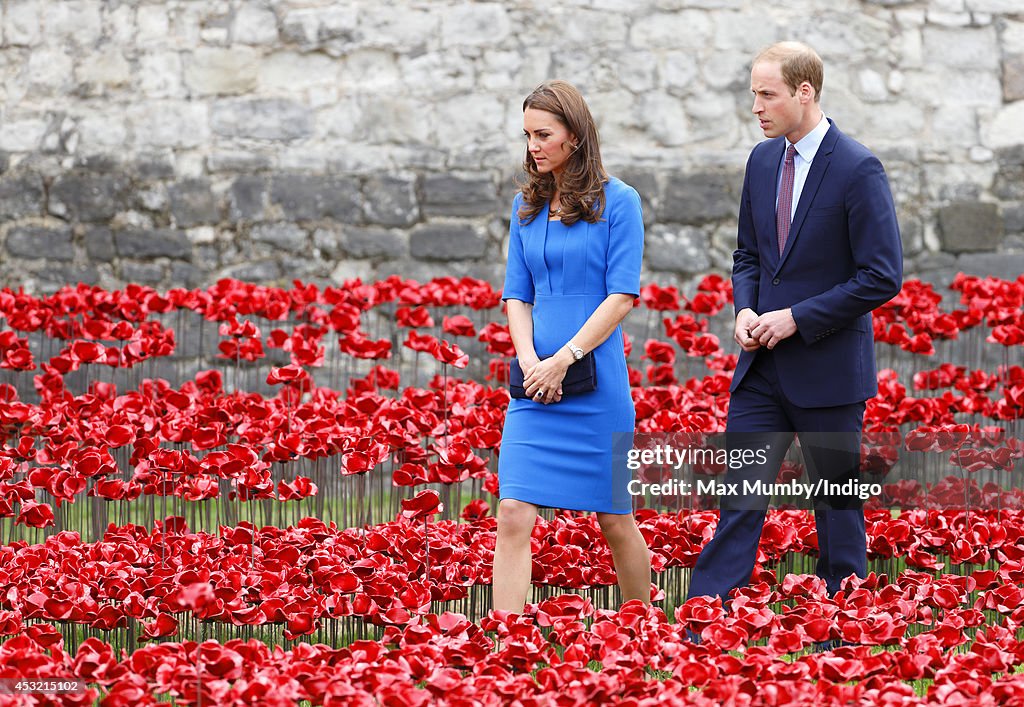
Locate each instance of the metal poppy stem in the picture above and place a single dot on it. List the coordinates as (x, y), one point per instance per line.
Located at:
(444, 399)
(426, 546)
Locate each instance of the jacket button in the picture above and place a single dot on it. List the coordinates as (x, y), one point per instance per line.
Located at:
(776, 281)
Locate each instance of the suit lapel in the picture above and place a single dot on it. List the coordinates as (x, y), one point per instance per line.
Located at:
(819, 166)
(768, 191)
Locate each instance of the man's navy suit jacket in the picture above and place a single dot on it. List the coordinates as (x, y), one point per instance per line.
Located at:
(842, 259)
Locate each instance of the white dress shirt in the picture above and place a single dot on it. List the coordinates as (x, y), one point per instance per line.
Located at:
(806, 149)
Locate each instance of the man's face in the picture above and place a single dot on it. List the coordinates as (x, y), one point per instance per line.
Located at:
(778, 110)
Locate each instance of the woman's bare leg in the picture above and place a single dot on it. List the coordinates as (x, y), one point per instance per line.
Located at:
(630, 553)
(513, 561)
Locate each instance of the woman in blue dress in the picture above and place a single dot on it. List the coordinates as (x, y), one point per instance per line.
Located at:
(575, 250)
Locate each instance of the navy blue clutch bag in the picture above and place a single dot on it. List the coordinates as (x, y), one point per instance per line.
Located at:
(580, 377)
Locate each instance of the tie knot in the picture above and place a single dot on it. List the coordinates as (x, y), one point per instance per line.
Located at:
(790, 153)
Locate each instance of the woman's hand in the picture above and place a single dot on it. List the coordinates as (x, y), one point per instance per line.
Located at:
(528, 362)
(543, 380)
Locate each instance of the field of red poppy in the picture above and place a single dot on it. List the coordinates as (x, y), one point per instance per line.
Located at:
(252, 495)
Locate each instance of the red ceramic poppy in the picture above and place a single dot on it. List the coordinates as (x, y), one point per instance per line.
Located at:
(458, 325)
(424, 504)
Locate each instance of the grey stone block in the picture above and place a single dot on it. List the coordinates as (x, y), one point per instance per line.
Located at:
(699, 198)
(1009, 179)
(304, 268)
(450, 195)
(960, 191)
(193, 203)
(261, 271)
(53, 277)
(207, 256)
(390, 201)
(1009, 183)
(234, 162)
(1013, 218)
(286, 236)
(912, 235)
(5, 161)
(157, 243)
(1013, 155)
(255, 25)
(970, 226)
(1007, 266)
(508, 187)
(962, 47)
(1013, 77)
(88, 197)
(202, 235)
(1014, 244)
(153, 166)
(247, 198)
(188, 275)
(40, 242)
(678, 249)
(221, 71)
(152, 198)
(99, 244)
(262, 119)
(20, 195)
(142, 273)
(930, 261)
(304, 197)
(372, 243)
(446, 242)
(328, 242)
(424, 271)
(96, 163)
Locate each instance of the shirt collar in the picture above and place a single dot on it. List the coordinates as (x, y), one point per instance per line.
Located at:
(808, 145)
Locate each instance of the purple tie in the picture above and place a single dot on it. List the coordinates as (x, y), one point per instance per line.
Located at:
(784, 211)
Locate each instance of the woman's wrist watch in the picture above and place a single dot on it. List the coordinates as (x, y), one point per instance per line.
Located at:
(577, 352)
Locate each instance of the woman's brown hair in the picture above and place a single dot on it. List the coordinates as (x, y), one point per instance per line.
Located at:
(583, 176)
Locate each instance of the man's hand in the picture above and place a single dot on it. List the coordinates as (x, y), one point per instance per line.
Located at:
(741, 334)
(772, 327)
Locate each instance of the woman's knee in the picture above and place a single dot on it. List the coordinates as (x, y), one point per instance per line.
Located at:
(616, 526)
(516, 517)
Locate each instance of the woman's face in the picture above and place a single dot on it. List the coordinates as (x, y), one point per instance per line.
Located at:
(549, 142)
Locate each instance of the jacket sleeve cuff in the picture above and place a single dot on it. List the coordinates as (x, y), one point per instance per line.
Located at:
(808, 330)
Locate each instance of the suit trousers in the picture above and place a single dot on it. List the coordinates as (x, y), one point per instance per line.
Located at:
(761, 417)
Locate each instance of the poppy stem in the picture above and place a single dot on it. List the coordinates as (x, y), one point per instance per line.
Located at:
(426, 547)
(444, 399)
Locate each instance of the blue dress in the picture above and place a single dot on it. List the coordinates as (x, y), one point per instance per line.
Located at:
(571, 454)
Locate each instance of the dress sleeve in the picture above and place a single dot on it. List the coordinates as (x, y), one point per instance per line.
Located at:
(625, 243)
(518, 278)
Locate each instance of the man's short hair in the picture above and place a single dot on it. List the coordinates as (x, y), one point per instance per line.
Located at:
(798, 62)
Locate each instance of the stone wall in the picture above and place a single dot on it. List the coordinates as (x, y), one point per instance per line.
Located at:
(176, 142)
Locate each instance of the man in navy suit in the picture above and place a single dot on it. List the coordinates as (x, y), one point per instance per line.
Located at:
(818, 249)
